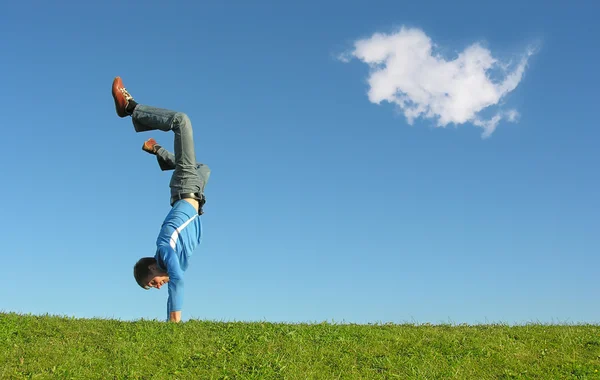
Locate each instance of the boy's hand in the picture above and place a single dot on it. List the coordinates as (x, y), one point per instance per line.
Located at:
(175, 316)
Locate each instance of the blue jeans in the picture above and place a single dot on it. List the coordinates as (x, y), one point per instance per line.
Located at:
(188, 176)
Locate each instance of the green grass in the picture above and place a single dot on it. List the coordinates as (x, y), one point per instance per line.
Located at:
(67, 348)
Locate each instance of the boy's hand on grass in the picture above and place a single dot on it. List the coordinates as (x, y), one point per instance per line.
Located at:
(175, 316)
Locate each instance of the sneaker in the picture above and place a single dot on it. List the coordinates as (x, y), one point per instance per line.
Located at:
(121, 97)
(150, 146)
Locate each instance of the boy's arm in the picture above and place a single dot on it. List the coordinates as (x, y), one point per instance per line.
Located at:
(175, 284)
(175, 301)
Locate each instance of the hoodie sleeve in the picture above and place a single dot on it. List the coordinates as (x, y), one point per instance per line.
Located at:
(175, 284)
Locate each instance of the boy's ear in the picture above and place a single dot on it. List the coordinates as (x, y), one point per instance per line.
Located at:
(153, 269)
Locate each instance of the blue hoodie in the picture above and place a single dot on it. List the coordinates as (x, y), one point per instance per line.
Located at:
(180, 234)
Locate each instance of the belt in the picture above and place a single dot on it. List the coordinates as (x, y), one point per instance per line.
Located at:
(197, 196)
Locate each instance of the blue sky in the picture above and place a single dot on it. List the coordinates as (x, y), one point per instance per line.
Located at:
(324, 203)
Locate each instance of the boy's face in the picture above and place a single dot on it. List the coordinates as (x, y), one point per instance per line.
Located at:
(158, 281)
(157, 277)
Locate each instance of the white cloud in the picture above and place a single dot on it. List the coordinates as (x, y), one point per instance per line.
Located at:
(407, 72)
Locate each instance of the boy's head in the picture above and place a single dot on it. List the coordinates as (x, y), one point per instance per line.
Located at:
(148, 275)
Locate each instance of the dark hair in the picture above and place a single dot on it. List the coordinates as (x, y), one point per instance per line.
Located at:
(141, 271)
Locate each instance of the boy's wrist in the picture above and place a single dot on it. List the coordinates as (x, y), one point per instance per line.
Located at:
(175, 316)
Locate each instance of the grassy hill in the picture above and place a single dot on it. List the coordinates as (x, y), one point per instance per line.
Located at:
(54, 347)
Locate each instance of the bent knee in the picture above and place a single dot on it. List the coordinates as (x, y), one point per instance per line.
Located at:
(182, 118)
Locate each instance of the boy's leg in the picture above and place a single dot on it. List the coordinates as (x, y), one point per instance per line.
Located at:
(185, 178)
(166, 160)
(204, 174)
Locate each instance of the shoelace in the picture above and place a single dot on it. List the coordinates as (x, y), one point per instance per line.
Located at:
(125, 94)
